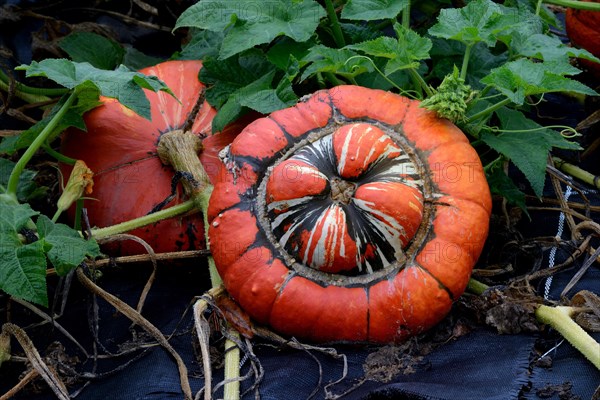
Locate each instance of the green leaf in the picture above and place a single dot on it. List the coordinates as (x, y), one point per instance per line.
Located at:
(476, 22)
(68, 248)
(27, 188)
(502, 185)
(279, 54)
(368, 10)
(225, 77)
(517, 21)
(90, 47)
(135, 59)
(521, 78)
(404, 52)
(268, 100)
(233, 107)
(23, 266)
(247, 24)
(357, 32)
(343, 62)
(446, 54)
(201, 45)
(527, 150)
(547, 48)
(87, 98)
(122, 84)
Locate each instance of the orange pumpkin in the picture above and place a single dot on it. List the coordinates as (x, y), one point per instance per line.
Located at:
(583, 29)
(355, 215)
(129, 178)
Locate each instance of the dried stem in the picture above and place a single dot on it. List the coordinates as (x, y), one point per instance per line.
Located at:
(29, 376)
(43, 369)
(134, 316)
(203, 332)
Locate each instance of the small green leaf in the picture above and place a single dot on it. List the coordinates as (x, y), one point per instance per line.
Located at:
(68, 248)
(122, 84)
(404, 52)
(521, 78)
(476, 22)
(343, 62)
(279, 54)
(248, 24)
(23, 266)
(135, 59)
(201, 45)
(368, 10)
(268, 100)
(502, 185)
(27, 188)
(90, 47)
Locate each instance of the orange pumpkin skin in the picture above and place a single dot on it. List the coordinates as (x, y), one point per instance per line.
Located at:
(355, 215)
(583, 29)
(130, 180)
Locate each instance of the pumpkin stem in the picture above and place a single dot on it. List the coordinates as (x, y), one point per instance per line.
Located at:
(180, 150)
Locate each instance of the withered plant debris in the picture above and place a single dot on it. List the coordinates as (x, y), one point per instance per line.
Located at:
(564, 392)
(389, 362)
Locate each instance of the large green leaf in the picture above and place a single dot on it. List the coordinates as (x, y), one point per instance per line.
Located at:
(122, 83)
(526, 145)
(521, 78)
(368, 10)
(90, 47)
(477, 22)
(547, 48)
(247, 24)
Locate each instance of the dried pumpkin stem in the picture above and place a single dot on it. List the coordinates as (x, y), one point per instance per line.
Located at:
(134, 316)
(45, 371)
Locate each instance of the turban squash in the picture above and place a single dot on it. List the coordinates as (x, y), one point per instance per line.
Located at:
(120, 147)
(355, 215)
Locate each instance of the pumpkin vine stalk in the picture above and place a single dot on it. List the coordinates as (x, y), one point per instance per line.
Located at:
(559, 318)
(336, 29)
(489, 110)
(40, 140)
(180, 150)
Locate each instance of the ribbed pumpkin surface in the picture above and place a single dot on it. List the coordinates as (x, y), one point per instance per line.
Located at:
(355, 215)
(130, 180)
